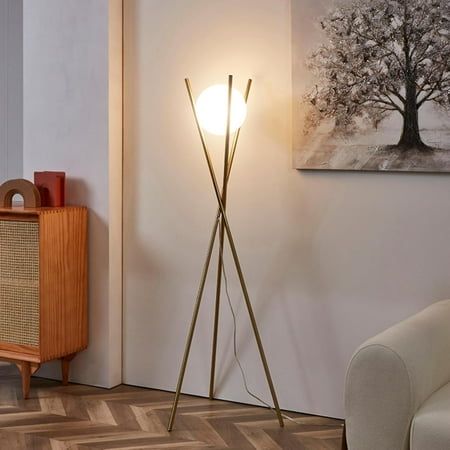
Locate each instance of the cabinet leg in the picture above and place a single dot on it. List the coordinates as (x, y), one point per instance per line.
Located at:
(65, 367)
(26, 370)
(26, 379)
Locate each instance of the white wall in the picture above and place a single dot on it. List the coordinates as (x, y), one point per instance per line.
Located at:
(10, 89)
(331, 258)
(72, 122)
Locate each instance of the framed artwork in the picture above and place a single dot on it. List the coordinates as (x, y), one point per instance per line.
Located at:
(371, 85)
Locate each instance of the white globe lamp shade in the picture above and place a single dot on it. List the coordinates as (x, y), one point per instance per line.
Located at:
(212, 109)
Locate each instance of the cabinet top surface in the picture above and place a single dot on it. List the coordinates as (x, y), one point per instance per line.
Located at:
(20, 210)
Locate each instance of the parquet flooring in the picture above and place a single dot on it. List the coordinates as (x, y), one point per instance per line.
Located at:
(80, 417)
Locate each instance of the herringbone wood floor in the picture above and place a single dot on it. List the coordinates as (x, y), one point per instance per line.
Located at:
(80, 417)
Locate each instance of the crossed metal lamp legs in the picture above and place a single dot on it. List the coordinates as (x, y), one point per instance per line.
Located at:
(221, 223)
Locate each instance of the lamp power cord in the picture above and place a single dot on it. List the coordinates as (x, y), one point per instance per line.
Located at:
(235, 349)
(236, 357)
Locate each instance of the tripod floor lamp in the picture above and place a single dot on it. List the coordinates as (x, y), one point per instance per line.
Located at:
(221, 110)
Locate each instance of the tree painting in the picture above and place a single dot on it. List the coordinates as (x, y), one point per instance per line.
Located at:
(381, 58)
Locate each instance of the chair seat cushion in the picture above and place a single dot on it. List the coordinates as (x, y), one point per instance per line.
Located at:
(430, 428)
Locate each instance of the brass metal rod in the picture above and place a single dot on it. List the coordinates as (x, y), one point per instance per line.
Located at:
(221, 240)
(192, 327)
(236, 136)
(236, 259)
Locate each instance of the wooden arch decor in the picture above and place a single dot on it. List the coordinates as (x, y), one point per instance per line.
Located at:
(25, 188)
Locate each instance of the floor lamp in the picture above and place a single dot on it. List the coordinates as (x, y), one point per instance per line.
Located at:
(210, 116)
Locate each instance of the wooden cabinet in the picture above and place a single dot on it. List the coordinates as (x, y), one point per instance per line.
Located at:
(43, 287)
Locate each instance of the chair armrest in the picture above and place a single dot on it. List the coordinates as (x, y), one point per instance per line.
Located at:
(392, 374)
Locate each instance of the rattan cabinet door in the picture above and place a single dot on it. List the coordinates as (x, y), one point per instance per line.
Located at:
(19, 282)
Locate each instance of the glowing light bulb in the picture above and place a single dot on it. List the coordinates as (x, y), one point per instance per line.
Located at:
(212, 109)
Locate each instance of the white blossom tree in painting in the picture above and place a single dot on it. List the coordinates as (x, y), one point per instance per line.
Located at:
(381, 57)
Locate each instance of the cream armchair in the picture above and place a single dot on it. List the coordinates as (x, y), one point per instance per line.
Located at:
(397, 394)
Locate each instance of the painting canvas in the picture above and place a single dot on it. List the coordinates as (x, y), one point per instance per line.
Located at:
(371, 84)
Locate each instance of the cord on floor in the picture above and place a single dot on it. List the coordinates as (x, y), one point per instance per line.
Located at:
(235, 350)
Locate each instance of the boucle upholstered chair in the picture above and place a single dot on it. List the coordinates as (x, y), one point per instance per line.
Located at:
(397, 394)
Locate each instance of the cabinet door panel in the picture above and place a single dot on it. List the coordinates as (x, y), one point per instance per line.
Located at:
(19, 282)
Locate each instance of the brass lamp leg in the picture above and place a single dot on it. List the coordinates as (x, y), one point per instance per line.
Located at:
(216, 311)
(221, 239)
(236, 260)
(228, 163)
(192, 327)
(253, 320)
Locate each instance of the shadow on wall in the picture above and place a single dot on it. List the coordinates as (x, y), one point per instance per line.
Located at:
(77, 191)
